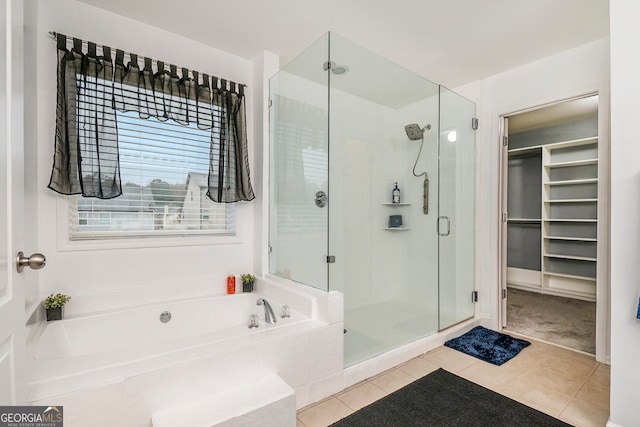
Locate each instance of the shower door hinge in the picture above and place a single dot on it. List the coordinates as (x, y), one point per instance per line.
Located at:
(329, 65)
(504, 217)
(270, 103)
(331, 259)
(474, 296)
(504, 293)
(474, 123)
(505, 141)
(270, 249)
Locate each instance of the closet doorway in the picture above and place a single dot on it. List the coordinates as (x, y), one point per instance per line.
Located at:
(550, 205)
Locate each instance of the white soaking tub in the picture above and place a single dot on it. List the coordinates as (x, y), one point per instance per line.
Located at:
(85, 351)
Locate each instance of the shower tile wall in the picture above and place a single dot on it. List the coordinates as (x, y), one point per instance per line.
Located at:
(373, 152)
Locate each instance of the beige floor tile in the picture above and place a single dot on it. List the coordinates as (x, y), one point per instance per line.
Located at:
(488, 375)
(449, 359)
(568, 368)
(543, 399)
(595, 395)
(543, 379)
(539, 346)
(392, 380)
(361, 395)
(324, 413)
(418, 367)
(526, 359)
(575, 357)
(601, 377)
(583, 414)
(559, 382)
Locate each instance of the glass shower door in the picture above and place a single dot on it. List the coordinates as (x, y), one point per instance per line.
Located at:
(455, 223)
(387, 272)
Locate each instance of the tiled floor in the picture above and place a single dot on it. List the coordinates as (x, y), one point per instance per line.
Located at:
(565, 384)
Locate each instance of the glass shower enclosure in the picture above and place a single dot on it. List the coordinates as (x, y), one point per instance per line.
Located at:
(338, 147)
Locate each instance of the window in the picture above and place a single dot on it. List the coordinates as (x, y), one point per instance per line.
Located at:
(164, 168)
(149, 145)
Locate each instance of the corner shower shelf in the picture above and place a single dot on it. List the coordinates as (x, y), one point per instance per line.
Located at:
(396, 229)
(396, 204)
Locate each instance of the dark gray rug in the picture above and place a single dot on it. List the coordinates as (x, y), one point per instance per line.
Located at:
(444, 399)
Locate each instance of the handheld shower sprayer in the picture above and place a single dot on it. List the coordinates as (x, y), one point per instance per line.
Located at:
(415, 132)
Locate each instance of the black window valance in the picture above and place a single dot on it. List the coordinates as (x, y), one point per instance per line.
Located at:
(96, 82)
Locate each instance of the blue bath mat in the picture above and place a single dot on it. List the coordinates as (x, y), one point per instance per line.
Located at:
(488, 345)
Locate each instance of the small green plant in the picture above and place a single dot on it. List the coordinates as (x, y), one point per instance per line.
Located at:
(248, 278)
(55, 301)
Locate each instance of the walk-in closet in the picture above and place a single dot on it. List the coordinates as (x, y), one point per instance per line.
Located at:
(552, 222)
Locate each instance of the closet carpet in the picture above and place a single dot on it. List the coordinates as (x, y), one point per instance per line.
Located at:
(563, 321)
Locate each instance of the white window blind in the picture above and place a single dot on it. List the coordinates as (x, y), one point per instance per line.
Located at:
(164, 168)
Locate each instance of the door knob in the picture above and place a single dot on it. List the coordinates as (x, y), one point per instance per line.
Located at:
(35, 261)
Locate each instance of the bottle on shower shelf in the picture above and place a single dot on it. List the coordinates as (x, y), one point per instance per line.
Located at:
(395, 194)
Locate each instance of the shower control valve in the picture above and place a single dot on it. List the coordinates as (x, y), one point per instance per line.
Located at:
(321, 199)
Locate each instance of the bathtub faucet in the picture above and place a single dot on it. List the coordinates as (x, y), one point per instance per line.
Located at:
(269, 317)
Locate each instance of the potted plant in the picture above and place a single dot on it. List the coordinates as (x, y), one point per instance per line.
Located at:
(54, 305)
(247, 282)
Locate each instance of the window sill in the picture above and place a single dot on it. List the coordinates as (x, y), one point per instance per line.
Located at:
(65, 244)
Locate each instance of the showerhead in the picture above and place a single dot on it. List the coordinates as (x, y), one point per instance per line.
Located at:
(415, 132)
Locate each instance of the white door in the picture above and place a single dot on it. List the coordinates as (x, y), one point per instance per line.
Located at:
(12, 333)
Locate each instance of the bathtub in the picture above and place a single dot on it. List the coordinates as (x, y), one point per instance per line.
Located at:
(206, 343)
(197, 322)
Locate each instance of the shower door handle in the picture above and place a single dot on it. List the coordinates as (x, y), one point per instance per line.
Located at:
(440, 218)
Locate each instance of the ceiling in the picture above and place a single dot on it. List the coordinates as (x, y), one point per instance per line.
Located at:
(451, 42)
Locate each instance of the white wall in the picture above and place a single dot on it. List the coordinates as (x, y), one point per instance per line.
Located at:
(572, 73)
(79, 268)
(625, 210)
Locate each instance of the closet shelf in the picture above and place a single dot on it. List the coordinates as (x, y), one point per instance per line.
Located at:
(573, 257)
(570, 276)
(573, 182)
(570, 200)
(577, 239)
(572, 163)
(569, 220)
(524, 220)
